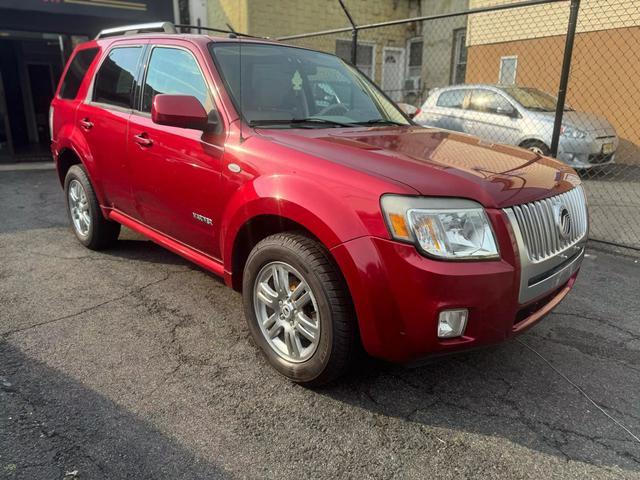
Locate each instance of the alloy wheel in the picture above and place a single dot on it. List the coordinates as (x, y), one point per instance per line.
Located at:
(79, 208)
(536, 150)
(287, 311)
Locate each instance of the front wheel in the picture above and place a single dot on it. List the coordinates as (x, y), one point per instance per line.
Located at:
(536, 146)
(298, 308)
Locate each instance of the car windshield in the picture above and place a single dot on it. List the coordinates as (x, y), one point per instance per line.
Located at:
(534, 99)
(288, 87)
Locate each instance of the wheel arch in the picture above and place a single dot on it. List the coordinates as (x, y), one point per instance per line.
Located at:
(530, 139)
(67, 157)
(273, 204)
(73, 149)
(254, 230)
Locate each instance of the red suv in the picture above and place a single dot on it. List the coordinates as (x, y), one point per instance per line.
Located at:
(289, 173)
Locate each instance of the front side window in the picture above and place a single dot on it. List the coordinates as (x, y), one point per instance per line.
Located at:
(174, 71)
(486, 101)
(273, 84)
(115, 80)
(451, 99)
(76, 72)
(533, 99)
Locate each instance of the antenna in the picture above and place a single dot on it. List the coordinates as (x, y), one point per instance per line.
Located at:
(240, 78)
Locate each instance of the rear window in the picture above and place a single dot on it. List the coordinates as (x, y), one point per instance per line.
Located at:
(116, 76)
(76, 72)
(451, 99)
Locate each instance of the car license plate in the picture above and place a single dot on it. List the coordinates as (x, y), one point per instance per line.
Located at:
(607, 148)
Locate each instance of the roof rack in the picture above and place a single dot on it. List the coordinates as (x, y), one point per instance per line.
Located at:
(231, 32)
(164, 27)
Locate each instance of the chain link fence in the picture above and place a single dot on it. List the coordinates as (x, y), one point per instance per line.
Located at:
(495, 69)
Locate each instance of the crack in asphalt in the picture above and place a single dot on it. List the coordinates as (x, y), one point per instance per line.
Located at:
(579, 389)
(87, 309)
(533, 425)
(593, 318)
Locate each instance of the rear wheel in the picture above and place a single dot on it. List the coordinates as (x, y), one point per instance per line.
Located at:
(536, 146)
(298, 309)
(90, 227)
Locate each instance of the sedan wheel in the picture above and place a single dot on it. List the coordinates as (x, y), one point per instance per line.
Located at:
(536, 149)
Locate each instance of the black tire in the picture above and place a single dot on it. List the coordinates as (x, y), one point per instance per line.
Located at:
(101, 233)
(536, 146)
(337, 344)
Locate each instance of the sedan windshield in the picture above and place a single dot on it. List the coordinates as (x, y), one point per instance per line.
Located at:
(277, 86)
(533, 99)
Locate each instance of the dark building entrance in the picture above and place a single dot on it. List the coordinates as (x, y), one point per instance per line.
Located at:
(36, 38)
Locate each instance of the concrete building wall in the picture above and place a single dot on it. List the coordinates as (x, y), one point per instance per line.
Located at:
(231, 12)
(437, 52)
(276, 18)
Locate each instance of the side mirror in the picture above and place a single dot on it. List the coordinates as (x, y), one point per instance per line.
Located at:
(509, 112)
(409, 110)
(184, 111)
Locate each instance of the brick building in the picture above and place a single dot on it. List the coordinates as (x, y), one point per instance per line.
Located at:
(525, 46)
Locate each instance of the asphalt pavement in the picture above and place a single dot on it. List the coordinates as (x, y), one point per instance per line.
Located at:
(133, 363)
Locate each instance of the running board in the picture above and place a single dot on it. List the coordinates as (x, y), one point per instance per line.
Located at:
(181, 249)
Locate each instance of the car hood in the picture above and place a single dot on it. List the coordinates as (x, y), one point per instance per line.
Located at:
(436, 162)
(588, 122)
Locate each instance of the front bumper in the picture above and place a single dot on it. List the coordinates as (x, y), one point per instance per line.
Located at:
(588, 152)
(399, 293)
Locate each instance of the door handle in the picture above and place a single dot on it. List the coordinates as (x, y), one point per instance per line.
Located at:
(86, 124)
(143, 140)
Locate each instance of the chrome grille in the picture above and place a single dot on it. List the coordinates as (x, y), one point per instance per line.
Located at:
(538, 224)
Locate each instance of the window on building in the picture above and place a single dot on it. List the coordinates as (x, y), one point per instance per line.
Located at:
(508, 70)
(176, 72)
(451, 99)
(459, 62)
(414, 66)
(115, 79)
(365, 55)
(76, 72)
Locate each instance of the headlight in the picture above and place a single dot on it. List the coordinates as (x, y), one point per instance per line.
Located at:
(447, 228)
(573, 132)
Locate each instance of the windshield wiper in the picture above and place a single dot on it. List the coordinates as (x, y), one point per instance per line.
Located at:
(298, 121)
(380, 121)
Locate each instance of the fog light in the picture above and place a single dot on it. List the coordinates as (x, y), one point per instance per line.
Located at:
(451, 323)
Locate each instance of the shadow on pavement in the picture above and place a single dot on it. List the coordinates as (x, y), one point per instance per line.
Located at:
(52, 425)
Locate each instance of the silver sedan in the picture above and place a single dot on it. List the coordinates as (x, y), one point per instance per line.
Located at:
(520, 116)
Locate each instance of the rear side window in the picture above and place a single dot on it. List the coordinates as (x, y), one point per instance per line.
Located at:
(451, 99)
(116, 77)
(174, 71)
(76, 72)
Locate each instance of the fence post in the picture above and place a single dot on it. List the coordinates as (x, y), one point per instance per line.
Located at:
(564, 75)
(354, 46)
(354, 33)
